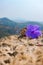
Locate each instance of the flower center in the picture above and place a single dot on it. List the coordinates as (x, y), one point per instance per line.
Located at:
(32, 32)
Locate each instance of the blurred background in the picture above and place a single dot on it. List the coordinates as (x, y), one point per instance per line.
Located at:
(17, 14)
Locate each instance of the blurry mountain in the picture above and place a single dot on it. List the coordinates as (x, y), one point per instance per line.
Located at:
(9, 27)
(7, 22)
(31, 22)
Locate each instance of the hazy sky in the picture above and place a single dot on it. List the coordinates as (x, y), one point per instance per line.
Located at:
(26, 9)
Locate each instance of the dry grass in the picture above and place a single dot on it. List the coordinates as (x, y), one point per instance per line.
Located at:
(27, 54)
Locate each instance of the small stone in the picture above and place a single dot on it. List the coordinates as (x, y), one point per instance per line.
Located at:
(22, 53)
(14, 47)
(1, 63)
(7, 61)
(31, 44)
(13, 54)
(4, 44)
(38, 60)
(42, 40)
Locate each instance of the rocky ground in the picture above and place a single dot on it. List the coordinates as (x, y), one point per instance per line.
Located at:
(22, 51)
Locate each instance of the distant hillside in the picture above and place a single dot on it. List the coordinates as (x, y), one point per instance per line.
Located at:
(7, 22)
(9, 27)
(31, 22)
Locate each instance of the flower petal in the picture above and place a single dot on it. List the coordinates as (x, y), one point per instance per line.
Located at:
(33, 31)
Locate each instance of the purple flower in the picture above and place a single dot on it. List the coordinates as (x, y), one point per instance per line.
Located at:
(33, 31)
